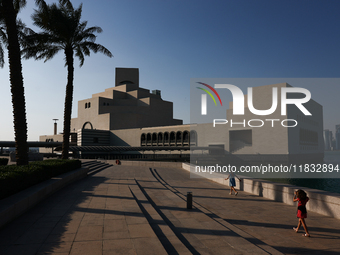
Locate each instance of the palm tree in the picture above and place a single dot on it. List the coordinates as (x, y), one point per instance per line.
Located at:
(8, 17)
(62, 30)
(3, 41)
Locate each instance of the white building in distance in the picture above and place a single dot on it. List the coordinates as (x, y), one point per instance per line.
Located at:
(127, 115)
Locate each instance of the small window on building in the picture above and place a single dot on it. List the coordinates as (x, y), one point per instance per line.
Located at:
(85, 105)
(104, 103)
(89, 105)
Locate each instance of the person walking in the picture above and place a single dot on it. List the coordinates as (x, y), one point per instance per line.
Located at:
(232, 183)
(300, 196)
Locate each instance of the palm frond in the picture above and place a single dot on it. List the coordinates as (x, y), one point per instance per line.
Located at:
(41, 4)
(61, 28)
(67, 4)
(97, 48)
(2, 56)
(18, 5)
(80, 55)
(3, 35)
(48, 53)
(92, 30)
(23, 33)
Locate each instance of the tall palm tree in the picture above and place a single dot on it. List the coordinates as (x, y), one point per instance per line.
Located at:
(62, 30)
(8, 16)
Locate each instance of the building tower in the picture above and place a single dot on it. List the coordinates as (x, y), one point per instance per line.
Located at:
(337, 137)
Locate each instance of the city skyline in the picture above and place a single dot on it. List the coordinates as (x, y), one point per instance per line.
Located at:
(174, 41)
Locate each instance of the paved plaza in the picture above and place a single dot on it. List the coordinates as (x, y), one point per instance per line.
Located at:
(142, 210)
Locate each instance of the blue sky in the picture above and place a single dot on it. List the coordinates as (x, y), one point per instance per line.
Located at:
(173, 41)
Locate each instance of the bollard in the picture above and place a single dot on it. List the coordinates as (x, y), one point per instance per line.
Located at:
(189, 200)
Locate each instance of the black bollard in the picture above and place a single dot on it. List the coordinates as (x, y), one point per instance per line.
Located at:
(189, 200)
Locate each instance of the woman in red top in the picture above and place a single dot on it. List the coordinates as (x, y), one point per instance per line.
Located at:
(302, 198)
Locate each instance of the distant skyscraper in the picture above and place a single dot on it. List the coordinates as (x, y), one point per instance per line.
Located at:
(333, 144)
(337, 136)
(327, 137)
(337, 127)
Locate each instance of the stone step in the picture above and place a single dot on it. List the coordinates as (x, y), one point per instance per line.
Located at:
(95, 166)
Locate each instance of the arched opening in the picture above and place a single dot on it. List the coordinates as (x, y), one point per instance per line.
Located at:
(154, 139)
(160, 139)
(148, 139)
(85, 105)
(193, 138)
(143, 140)
(186, 138)
(87, 125)
(172, 138)
(179, 138)
(166, 139)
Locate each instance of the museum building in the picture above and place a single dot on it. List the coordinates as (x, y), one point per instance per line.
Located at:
(130, 116)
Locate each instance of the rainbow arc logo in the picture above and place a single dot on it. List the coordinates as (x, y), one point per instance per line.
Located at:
(204, 97)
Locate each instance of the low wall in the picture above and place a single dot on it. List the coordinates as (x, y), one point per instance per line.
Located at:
(32, 156)
(145, 163)
(322, 202)
(17, 204)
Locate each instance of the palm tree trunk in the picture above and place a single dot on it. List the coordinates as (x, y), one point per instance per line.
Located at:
(17, 84)
(68, 102)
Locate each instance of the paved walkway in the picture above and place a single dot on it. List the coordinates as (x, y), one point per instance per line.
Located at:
(142, 210)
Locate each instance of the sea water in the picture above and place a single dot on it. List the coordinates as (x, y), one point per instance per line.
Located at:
(331, 185)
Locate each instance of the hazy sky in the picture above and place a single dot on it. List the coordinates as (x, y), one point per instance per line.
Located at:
(173, 41)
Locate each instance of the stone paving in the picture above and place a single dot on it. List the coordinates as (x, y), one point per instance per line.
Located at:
(142, 210)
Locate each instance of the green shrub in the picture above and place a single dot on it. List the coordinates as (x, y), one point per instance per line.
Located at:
(16, 178)
(3, 161)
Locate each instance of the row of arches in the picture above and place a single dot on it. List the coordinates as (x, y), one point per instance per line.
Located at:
(172, 138)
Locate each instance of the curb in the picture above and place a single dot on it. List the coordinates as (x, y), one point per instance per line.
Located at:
(17, 204)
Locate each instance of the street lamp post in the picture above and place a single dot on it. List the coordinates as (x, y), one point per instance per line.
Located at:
(55, 126)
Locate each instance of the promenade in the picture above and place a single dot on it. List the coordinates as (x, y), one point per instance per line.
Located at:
(142, 210)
